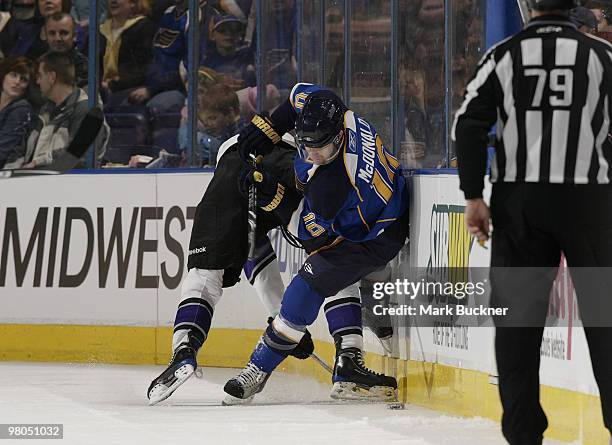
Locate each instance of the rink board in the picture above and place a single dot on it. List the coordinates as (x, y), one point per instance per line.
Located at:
(91, 266)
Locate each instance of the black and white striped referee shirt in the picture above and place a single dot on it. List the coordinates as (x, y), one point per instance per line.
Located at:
(549, 89)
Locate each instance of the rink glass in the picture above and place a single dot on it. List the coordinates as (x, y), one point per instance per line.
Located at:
(403, 64)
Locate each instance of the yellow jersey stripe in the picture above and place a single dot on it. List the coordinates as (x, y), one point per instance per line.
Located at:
(383, 159)
(381, 187)
(392, 160)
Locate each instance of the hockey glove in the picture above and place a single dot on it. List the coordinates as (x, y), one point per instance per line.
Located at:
(304, 348)
(270, 192)
(259, 137)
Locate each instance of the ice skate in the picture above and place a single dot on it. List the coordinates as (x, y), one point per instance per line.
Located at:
(242, 388)
(353, 381)
(181, 367)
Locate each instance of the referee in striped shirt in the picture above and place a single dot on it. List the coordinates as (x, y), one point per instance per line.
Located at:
(548, 89)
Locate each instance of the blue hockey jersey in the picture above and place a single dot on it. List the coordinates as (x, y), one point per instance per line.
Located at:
(357, 195)
(170, 46)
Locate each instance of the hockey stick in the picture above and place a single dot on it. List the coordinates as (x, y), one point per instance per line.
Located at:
(252, 213)
(84, 137)
(321, 362)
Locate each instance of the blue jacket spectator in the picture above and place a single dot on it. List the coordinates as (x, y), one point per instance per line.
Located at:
(15, 111)
(227, 54)
(170, 48)
(19, 33)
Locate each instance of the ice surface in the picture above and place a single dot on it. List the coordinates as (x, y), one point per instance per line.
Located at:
(106, 404)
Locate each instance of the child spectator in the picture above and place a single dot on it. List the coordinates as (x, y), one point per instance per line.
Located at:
(15, 110)
(206, 79)
(227, 54)
(218, 120)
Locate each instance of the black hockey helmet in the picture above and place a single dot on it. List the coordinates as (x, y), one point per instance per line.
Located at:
(552, 4)
(321, 119)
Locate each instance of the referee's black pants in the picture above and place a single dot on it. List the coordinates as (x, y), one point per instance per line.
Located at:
(532, 225)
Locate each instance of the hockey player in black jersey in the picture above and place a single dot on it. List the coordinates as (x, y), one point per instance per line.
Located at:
(218, 251)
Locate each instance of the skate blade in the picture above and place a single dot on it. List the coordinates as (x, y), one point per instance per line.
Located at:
(232, 401)
(352, 391)
(161, 392)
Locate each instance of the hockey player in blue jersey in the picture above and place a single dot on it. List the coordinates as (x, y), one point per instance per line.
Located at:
(353, 221)
(218, 250)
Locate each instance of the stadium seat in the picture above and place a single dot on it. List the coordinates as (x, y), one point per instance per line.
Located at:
(129, 134)
(165, 127)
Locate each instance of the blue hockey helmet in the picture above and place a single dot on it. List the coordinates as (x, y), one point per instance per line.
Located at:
(321, 119)
(319, 127)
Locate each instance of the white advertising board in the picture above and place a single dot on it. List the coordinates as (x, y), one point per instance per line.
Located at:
(104, 249)
(110, 249)
(439, 239)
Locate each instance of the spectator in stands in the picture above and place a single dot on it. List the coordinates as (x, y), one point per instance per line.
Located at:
(206, 79)
(170, 49)
(46, 8)
(24, 33)
(15, 110)
(584, 19)
(238, 8)
(80, 12)
(248, 101)
(413, 141)
(60, 117)
(603, 18)
(228, 54)
(218, 120)
(20, 28)
(6, 40)
(247, 97)
(60, 29)
(158, 8)
(126, 43)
